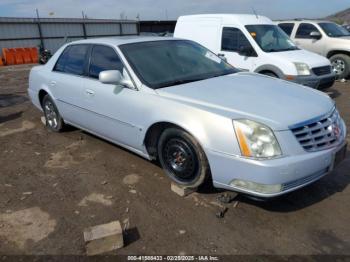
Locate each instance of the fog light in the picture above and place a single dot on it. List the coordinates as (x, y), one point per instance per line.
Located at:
(255, 187)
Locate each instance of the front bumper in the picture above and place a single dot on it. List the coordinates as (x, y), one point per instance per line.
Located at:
(314, 81)
(292, 172)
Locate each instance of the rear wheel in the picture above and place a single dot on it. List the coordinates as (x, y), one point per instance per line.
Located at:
(341, 65)
(53, 118)
(182, 158)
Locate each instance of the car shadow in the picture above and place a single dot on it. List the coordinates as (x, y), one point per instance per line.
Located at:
(7, 100)
(333, 93)
(10, 117)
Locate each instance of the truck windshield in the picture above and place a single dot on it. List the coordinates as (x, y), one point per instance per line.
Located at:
(271, 38)
(173, 62)
(333, 30)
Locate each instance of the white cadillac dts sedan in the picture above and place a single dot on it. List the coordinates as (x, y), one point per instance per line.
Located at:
(176, 101)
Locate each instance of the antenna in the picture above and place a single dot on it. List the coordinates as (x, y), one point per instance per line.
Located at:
(257, 17)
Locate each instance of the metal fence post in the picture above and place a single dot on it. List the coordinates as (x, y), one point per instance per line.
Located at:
(40, 31)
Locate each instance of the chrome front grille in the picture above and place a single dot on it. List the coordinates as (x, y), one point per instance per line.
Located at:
(319, 134)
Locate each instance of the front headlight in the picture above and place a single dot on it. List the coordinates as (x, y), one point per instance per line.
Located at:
(302, 69)
(256, 140)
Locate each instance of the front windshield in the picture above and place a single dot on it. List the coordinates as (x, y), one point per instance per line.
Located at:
(172, 62)
(334, 30)
(271, 38)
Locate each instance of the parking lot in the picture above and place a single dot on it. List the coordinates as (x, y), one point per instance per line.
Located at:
(52, 186)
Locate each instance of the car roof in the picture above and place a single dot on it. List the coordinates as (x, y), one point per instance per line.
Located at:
(120, 40)
(303, 21)
(242, 19)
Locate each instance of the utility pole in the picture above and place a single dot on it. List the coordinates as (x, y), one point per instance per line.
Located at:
(39, 29)
(84, 26)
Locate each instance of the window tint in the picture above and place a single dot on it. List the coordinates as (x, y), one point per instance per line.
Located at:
(72, 60)
(305, 30)
(233, 39)
(104, 58)
(287, 28)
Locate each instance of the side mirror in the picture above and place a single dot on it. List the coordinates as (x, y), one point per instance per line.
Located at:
(246, 51)
(315, 35)
(222, 56)
(113, 77)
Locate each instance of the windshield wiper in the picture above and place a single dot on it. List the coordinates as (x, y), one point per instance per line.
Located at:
(282, 50)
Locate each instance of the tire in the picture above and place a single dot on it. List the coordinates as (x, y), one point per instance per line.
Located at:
(341, 65)
(54, 121)
(182, 158)
(269, 74)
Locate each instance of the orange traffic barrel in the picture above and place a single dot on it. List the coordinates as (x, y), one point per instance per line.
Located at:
(34, 54)
(9, 56)
(18, 56)
(26, 56)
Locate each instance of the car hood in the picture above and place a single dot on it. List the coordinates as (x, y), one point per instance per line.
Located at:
(302, 56)
(274, 102)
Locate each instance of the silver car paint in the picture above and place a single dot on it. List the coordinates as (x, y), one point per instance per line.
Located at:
(204, 108)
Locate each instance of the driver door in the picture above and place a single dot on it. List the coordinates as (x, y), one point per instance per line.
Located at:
(304, 40)
(112, 110)
(232, 41)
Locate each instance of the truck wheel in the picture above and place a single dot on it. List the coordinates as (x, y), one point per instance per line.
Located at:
(53, 118)
(182, 158)
(341, 65)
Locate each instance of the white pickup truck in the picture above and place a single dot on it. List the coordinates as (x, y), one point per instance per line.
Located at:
(322, 37)
(256, 44)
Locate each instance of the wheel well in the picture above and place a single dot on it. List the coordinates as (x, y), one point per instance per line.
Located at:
(268, 71)
(336, 52)
(42, 94)
(152, 136)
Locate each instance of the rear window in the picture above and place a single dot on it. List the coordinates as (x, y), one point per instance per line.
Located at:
(287, 28)
(73, 60)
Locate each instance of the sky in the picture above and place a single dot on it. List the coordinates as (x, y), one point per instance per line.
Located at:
(165, 9)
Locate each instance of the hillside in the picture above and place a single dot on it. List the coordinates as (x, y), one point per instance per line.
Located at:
(342, 17)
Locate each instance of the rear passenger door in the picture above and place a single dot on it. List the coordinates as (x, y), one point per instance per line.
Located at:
(232, 40)
(110, 109)
(305, 41)
(66, 81)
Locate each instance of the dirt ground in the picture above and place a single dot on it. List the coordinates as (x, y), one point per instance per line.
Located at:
(52, 186)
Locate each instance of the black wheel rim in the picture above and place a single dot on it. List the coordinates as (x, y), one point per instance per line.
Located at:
(180, 159)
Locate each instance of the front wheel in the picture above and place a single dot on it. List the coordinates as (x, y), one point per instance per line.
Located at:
(182, 158)
(341, 65)
(53, 118)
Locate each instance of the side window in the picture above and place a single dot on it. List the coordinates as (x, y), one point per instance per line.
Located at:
(304, 31)
(104, 58)
(287, 28)
(233, 39)
(72, 60)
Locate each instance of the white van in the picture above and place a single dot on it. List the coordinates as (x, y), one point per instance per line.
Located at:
(256, 44)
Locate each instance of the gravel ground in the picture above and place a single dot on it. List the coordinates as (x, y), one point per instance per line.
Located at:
(52, 186)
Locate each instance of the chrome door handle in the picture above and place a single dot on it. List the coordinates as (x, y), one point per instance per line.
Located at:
(53, 83)
(89, 92)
